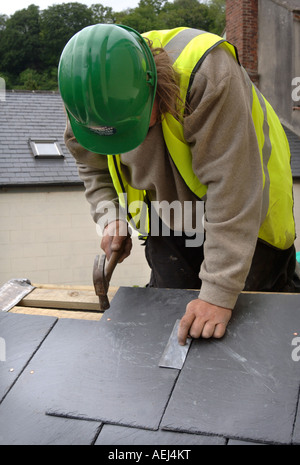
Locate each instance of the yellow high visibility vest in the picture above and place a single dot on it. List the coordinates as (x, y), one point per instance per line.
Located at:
(188, 48)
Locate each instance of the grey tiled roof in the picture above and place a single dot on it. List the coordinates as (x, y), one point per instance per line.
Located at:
(24, 115)
(294, 142)
(292, 5)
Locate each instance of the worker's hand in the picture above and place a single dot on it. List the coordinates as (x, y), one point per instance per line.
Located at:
(202, 319)
(116, 236)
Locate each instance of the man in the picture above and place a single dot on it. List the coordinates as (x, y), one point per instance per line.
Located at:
(173, 117)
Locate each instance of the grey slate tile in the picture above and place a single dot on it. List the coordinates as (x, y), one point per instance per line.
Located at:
(116, 362)
(120, 435)
(236, 442)
(26, 424)
(22, 335)
(23, 420)
(22, 412)
(246, 385)
(296, 433)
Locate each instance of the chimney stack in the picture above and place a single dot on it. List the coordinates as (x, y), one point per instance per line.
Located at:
(242, 31)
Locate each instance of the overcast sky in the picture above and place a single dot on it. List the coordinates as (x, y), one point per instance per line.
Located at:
(9, 7)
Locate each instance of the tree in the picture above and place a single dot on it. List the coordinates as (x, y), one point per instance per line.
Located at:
(102, 14)
(58, 24)
(20, 41)
(189, 13)
(3, 19)
(144, 17)
(217, 13)
(30, 79)
(161, 14)
(31, 41)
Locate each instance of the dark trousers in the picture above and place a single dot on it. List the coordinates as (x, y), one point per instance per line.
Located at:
(173, 265)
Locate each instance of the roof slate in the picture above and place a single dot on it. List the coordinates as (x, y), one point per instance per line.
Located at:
(36, 115)
(294, 142)
(26, 114)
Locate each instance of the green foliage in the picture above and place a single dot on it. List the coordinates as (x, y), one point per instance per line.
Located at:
(58, 24)
(31, 40)
(217, 14)
(34, 80)
(145, 17)
(189, 13)
(102, 14)
(20, 44)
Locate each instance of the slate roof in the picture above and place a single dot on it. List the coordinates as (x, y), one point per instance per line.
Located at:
(24, 115)
(291, 5)
(294, 142)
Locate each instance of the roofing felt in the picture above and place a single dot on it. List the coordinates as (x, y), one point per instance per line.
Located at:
(35, 115)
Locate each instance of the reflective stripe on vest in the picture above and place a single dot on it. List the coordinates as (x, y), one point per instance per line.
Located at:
(188, 48)
(133, 201)
(278, 225)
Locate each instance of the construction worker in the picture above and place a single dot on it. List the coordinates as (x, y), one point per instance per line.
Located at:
(171, 118)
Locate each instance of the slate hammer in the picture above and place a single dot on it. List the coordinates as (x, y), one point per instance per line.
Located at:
(102, 272)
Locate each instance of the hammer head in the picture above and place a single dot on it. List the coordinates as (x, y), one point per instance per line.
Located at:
(101, 284)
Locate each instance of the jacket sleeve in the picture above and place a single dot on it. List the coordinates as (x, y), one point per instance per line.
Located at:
(226, 158)
(93, 171)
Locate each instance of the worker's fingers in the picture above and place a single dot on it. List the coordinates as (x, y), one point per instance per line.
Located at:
(208, 330)
(203, 319)
(196, 328)
(184, 328)
(116, 237)
(116, 228)
(219, 330)
(126, 250)
(118, 243)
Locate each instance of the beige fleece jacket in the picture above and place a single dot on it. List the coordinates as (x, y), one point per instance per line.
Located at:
(220, 131)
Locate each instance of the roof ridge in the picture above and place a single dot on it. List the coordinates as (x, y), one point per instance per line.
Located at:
(25, 91)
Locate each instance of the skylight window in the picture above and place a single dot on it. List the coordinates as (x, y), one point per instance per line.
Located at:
(45, 148)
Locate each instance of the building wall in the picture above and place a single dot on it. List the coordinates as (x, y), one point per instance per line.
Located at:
(48, 236)
(279, 59)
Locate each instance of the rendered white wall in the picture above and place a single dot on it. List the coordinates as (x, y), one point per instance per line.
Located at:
(48, 236)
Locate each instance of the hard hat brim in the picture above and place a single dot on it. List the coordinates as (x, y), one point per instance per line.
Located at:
(115, 141)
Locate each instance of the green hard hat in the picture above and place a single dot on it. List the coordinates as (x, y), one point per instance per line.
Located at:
(107, 79)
